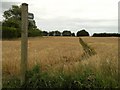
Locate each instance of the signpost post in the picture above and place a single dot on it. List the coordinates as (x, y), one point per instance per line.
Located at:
(24, 42)
(119, 43)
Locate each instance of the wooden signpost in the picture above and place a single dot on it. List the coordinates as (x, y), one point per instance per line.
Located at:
(119, 43)
(30, 16)
(24, 42)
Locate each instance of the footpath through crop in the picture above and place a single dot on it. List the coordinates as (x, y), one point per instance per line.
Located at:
(88, 51)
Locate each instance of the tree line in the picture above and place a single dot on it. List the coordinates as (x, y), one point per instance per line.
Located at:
(65, 33)
(106, 35)
(79, 33)
(11, 27)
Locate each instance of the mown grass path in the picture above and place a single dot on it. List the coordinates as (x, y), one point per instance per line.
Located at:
(88, 51)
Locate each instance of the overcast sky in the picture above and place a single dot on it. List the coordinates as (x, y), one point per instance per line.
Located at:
(92, 15)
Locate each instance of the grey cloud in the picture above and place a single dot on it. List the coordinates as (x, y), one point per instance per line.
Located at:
(7, 5)
(77, 24)
(78, 21)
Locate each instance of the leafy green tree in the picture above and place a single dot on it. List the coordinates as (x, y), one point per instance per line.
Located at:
(82, 33)
(106, 35)
(9, 25)
(52, 33)
(44, 33)
(34, 32)
(12, 19)
(57, 33)
(66, 33)
(14, 14)
(9, 32)
(72, 34)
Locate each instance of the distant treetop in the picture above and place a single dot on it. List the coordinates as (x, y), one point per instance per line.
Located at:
(82, 33)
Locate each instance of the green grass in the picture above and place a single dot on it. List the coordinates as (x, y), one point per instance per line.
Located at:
(85, 79)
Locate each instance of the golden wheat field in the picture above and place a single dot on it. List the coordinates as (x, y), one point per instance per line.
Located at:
(61, 53)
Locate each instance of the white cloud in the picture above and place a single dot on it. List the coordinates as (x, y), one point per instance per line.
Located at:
(90, 9)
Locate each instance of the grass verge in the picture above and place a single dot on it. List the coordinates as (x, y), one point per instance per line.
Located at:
(85, 79)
